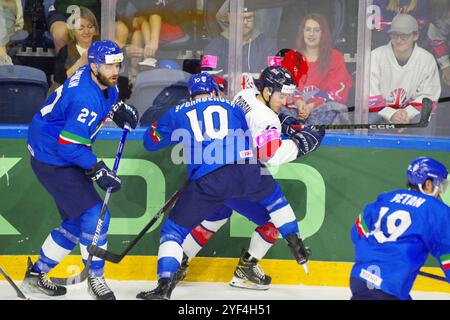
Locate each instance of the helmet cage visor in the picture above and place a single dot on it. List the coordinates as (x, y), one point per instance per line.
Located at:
(439, 184)
(442, 185)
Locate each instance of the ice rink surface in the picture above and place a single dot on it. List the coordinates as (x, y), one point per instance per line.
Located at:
(127, 290)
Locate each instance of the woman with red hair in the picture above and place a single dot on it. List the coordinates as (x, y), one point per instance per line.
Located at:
(325, 87)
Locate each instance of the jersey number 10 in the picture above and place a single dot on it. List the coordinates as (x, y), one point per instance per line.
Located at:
(209, 123)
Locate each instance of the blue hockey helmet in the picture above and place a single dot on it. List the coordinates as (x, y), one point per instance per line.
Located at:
(202, 83)
(104, 52)
(424, 168)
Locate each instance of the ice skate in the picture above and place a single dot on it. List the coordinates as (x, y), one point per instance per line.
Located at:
(249, 274)
(36, 284)
(161, 292)
(98, 289)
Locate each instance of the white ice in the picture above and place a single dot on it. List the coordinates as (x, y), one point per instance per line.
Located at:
(127, 290)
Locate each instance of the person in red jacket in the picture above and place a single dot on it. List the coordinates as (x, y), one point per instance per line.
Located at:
(324, 90)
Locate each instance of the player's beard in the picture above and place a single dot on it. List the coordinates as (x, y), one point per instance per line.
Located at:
(107, 81)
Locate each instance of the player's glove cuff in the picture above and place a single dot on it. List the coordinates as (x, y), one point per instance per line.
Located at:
(308, 140)
(124, 113)
(290, 125)
(104, 177)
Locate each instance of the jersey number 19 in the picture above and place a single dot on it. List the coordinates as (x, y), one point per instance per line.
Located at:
(397, 223)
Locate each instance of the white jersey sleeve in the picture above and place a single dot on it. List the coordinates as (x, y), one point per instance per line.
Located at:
(265, 127)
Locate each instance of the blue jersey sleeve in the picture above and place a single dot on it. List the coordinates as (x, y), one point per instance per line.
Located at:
(75, 137)
(159, 134)
(437, 236)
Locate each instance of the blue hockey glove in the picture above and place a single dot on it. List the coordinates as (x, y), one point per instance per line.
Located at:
(290, 125)
(104, 177)
(308, 139)
(124, 113)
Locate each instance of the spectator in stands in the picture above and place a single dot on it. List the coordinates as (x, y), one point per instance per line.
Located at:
(402, 74)
(57, 19)
(438, 35)
(156, 22)
(74, 55)
(59, 29)
(11, 20)
(257, 47)
(324, 90)
(389, 9)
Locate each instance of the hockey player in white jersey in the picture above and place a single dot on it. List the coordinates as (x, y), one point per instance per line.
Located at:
(276, 143)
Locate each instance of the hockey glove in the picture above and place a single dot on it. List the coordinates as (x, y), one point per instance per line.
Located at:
(308, 140)
(290, 125)
(104, 177)
(298, 249)
(122, 113)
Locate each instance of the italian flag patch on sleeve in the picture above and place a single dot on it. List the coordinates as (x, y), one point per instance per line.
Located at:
(361, 226)
(70, 138)
(445, 260)
(154, 133)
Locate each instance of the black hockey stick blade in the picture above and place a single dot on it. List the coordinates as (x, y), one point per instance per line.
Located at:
(116, 258)
(72, 280)
(19, 292)
(104, 254)
(427, 106)
(432, 276)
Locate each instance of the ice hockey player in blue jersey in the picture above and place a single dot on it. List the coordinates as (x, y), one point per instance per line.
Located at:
(237, 180)
(60, 142)
(271, 131)
(395, 234)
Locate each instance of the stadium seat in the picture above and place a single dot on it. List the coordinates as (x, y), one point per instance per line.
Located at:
(23, 90)
(150, 83)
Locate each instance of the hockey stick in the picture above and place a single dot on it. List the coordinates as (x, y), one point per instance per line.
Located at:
(440, 100)
(116, 258)
(432, 276)
(84, 274)
(427, 105)
(19, 292)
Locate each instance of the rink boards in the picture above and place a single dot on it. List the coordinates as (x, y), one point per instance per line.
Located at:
(326, 189)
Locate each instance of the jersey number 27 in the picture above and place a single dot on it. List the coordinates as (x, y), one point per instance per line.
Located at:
(81, 117)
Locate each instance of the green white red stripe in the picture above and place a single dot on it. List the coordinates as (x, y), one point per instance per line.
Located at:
(445, 260)
(69, 138)
(155, 134)
(361, 226)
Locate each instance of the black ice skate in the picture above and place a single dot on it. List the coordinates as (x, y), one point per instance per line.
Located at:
(98, 288)
(38, 286)
(161, 292)
(249, 274)
(182, 272)
(298, 249)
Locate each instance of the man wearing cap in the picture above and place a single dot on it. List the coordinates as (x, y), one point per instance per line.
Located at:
(402, 74)
(256, 50)
(60, 139)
